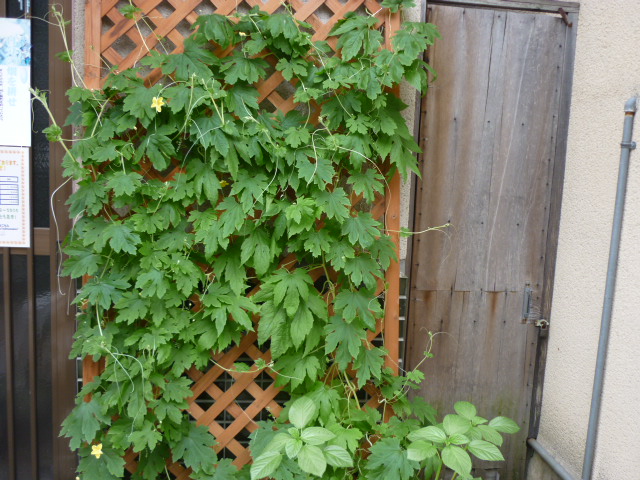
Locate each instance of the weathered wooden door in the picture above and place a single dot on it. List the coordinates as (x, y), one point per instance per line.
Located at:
(493, 130)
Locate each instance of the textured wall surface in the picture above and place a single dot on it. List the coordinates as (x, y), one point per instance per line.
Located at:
(606, 75)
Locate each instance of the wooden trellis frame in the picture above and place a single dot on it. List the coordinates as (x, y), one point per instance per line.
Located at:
(113, 40)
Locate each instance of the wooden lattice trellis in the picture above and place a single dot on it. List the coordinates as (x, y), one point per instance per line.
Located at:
(229, 403)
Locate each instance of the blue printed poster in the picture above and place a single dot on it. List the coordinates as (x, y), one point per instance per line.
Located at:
(15, 79)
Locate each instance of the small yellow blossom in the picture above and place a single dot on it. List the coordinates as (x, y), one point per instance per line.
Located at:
(242, 34)
(157, 103)
(223, 183)
(96, 450)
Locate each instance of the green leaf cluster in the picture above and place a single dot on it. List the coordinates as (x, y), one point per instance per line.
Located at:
(203, 216)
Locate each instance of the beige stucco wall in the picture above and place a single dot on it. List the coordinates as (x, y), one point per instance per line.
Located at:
(607, 73)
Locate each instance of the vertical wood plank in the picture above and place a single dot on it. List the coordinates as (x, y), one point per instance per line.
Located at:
(8, 335)
(524, 154)
(568, 46)
(392, 276)
(92, 60)
(64, 375)
(490, 140)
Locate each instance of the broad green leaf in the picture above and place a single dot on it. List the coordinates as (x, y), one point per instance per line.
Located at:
(504, 425)
(478, 420)
(466, 410)
(302, 411)
(292, 447)
(337, 457)
(265, 465)
(311, 460)
(456, 459)
(458, 439)
(316, 435)
(278, 443)
(454, 424)
(431, 434)
(490, 434)
(420, 450)
(485, 450)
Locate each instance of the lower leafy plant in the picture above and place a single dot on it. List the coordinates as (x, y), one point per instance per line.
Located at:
(320, 436)
(190, 193)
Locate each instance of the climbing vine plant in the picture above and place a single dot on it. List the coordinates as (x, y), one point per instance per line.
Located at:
(264, 225)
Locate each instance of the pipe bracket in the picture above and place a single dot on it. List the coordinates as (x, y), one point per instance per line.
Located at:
(629, 145)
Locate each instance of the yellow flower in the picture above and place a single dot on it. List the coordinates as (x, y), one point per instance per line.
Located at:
(223, 183)
(157, 103)
(242, 34)
(96, 450)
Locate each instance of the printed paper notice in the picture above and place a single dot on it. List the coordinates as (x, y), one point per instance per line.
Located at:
(15, 80)
(15, 219)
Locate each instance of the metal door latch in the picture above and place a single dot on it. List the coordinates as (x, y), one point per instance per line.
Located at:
(530, 311)
(542, 323)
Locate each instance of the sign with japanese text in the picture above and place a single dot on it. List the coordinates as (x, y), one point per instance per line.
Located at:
(15, 221)
(15, 80)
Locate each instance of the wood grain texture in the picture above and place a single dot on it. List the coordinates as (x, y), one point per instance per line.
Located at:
(490, 141)
(490, 150)
(554, 219)
(547, 6)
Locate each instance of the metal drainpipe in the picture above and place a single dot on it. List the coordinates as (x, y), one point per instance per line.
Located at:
(630, 108)
(596, 399)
